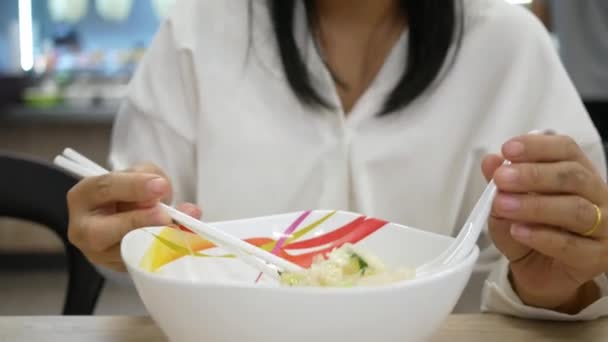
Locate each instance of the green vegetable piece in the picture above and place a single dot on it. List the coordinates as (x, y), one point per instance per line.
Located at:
(363, 265)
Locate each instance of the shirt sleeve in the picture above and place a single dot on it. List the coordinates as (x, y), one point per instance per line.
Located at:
(533, 92)
(157, 120)
(499, 297)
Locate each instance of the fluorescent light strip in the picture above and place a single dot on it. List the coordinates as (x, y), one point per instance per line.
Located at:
(26, 37)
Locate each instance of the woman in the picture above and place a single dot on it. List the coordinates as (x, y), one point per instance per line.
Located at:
(381, 107)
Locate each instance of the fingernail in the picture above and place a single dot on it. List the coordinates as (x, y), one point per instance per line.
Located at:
(156, 185)
(520, 231)
(514, 149)
(508, 174)
(508, 202)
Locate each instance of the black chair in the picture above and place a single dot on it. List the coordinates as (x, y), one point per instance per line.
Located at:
(35, 190)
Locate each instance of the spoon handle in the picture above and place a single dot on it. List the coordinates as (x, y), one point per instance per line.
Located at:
(467, 237)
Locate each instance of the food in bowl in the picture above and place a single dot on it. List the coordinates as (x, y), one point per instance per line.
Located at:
(346, 266)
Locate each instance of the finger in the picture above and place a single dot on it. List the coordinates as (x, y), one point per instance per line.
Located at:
(147, 167)
(187, 208)
(151, 168)
(490, 164)
(532, 148)
(572, 213)
(190, 209)
(555, 178)
(94, 192)
(572, 250)
(106, 231)
(500, 233)
(128, 206)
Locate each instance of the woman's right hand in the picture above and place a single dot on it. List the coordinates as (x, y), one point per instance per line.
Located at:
(104, 209)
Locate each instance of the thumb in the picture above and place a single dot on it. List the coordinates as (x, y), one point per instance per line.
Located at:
(489, 165)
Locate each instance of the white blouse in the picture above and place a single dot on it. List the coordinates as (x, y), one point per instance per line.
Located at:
(210, 105)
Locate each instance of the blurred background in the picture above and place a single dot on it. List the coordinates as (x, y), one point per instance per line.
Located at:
(64, 66)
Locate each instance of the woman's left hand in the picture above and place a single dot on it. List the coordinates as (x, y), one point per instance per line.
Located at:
(549, 220)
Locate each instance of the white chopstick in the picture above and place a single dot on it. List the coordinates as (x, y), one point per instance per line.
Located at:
(74, 168)
(76, 163)
(84, 161)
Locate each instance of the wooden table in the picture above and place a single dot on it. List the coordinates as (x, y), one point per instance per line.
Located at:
(458, 328)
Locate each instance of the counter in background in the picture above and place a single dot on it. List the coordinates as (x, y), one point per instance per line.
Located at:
(57, 115)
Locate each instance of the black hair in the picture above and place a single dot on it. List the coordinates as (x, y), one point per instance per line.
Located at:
(434, 26)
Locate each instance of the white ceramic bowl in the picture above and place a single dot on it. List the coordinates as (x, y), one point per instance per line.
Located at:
(215, 299)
